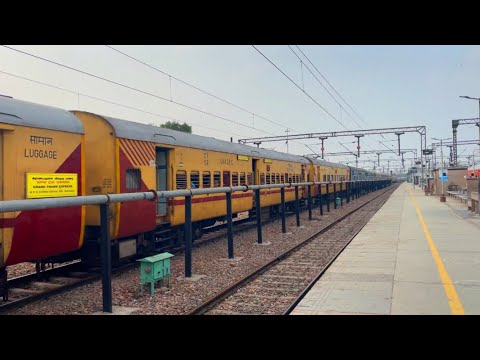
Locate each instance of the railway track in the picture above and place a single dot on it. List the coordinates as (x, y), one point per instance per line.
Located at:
(35, 286)
(31, 287)
(278, 286)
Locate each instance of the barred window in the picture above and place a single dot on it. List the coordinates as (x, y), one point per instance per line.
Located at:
(268, 179)
(194, 179)
(328, 177)
(234, 179)
(207, 179)
(262, 179)
(249, 179)
(324, 177)
(181, 179)
(217, 181)
(226, 178)
(290, 179)
(133, 179)
(277, 179)
(242, 179)
(297, 179)
(282, 179)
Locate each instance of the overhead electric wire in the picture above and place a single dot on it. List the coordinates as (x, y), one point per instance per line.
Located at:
(134, 89)
(341, 107)
(341, 97)
(318, 80)
(302, 90)
(112, 102)
(201, 90)
(196, 87)
(331, 85)
(293, 82)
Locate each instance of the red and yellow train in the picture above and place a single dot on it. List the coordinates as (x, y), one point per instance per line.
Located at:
(50, 152)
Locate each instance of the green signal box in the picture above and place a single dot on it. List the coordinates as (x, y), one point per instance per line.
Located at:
(154, 268)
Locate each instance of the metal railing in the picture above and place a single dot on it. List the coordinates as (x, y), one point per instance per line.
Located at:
(353, 190)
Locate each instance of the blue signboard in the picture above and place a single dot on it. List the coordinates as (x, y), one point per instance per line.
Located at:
(443, 178)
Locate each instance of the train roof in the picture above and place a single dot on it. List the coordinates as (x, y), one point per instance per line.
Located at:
(328, 163)
(24, 113)
(138, 131)
(360, 169)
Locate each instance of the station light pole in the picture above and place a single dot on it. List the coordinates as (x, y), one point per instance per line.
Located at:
(478, 124)
(442, 198)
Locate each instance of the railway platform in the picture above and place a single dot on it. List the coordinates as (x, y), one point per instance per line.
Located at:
(416, 255)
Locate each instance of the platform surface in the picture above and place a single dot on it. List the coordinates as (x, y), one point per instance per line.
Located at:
(415, 256)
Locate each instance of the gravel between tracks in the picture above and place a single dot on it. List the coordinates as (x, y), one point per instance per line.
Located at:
(28, 268)
(184, 296)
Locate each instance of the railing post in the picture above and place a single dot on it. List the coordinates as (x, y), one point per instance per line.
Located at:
(259, 216)
(328, 197)
(105, 248)
(297, 206)
(334, 195)
(282, 196)
(342, 193)
(229, 225)
(348, 191)
(188, 236)
(320, 199)
(309, 202)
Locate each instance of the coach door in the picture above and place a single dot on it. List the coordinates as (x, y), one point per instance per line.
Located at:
(255, 171)
(161, 163)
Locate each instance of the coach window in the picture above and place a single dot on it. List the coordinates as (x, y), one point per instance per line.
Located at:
(226, 178)
(282, 179)
(324, 178)
(290, 178)
(217, 181)
(181, 179)
(249, 179)
(268, 179)
(262, 179)
(194, 179)
(235, 179)
(133, 180)
(206, 179)
(278, 179)
(242, 179)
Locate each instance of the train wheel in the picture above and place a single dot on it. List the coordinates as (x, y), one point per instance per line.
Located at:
(197, 231)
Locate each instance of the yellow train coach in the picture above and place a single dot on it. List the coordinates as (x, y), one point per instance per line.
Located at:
(125, 156)
(81, 153)
(41, 156)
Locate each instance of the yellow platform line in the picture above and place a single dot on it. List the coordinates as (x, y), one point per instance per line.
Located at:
(454, 302)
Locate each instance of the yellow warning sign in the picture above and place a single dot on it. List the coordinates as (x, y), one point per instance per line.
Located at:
(51, 185)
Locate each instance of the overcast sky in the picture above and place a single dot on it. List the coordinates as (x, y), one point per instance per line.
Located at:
(387, 86)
